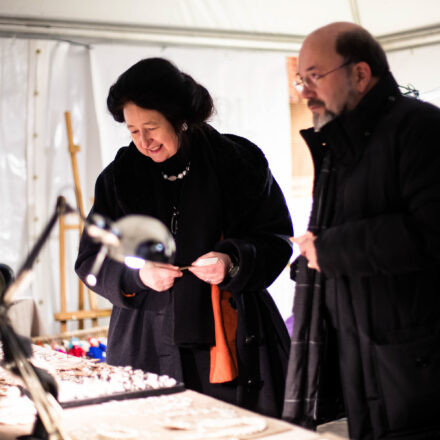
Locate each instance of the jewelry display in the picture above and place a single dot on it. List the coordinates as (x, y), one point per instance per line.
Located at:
(174, 416)
(82, 381)
(14, 409)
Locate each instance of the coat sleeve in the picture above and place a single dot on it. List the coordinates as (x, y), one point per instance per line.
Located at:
(116, 282)
(405, 240)
(263, 249)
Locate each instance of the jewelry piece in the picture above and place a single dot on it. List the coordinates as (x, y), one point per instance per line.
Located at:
(179, 176)
(184, 126)
(174, 218)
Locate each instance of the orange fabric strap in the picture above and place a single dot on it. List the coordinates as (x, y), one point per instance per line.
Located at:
(224, 367)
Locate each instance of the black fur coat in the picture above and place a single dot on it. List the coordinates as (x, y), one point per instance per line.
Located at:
(228, 192)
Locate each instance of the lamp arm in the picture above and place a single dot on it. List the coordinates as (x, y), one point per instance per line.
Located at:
(121, 237)
(48, 409)
(61, 208)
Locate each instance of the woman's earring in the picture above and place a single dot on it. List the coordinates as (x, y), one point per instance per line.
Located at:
(184, 126)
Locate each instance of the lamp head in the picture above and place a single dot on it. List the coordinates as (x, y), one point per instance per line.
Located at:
(142, 238)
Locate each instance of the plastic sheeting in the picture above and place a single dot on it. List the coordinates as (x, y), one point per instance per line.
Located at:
(13, 164)
(288, 17)
(39, 81)
(419, 67)
(250, 94)
(249, 90)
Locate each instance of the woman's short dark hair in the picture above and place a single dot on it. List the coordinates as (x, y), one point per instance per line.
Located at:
(157, 84)
(359, 45)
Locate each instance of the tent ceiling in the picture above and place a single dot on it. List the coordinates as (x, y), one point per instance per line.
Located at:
(260, 24)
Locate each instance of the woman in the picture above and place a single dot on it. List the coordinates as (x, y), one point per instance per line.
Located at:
(231, 226)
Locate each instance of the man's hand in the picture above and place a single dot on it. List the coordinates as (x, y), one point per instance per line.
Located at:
(213, 273)
(306, 244)
(159, 276)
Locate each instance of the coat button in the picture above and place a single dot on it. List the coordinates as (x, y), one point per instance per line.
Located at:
(249, 339)
(367, 133)
(391, 98)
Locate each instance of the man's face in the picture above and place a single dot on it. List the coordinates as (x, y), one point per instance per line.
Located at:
(332, 94)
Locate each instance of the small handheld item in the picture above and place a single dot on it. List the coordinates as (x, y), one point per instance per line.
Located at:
(184, 267)
(202, 262)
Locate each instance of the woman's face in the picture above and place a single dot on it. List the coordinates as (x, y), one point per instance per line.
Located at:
(151, 132)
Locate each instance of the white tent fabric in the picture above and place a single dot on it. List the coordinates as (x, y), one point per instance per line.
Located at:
(39, 81)
(58, 76)
(249, 90)
(237, 50)
(271, 18)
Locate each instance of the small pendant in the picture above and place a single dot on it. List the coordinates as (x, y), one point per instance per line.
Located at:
(173, 225)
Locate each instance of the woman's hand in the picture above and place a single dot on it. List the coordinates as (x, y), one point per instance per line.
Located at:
(215, 272)
(158, 276)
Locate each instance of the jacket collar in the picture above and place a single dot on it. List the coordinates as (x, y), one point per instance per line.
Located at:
(360, 123)
(348, 134)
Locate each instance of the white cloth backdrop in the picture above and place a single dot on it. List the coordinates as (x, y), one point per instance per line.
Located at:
(45, 78)
(40, 79)
(251, 99)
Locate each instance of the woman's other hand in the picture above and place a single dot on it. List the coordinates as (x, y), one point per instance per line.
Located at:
(215, 271)
(158, 276)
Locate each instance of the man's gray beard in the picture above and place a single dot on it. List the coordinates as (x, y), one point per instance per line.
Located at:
(319, 120)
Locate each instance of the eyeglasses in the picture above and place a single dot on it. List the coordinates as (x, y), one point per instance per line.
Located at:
(312, 79)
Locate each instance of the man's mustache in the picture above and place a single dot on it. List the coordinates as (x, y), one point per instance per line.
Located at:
(315, 102)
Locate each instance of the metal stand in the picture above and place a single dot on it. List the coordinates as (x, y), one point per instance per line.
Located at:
(17, 349)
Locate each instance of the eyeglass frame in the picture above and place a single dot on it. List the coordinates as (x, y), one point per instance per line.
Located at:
(312, 79)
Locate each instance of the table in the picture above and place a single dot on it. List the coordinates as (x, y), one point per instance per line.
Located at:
(180, 415)
(159, 417)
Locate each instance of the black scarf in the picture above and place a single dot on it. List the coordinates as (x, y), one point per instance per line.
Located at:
(307, 342)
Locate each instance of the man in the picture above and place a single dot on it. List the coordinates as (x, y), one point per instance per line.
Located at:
(368, 281)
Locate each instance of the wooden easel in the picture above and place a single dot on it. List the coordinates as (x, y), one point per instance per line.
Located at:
(82, 313)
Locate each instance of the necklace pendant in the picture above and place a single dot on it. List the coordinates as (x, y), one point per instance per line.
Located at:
(173, 225)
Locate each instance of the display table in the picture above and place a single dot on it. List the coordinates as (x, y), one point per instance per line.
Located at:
(175, 414)
(182, 416)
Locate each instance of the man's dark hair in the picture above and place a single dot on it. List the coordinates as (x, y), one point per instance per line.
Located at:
(157, 84)
(359, 45)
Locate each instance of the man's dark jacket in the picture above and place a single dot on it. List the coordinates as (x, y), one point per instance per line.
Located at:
(380, 259)
(228, 192)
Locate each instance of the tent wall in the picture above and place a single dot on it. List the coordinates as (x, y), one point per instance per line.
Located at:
(249, 91)
(40, 79)
(243, 23)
